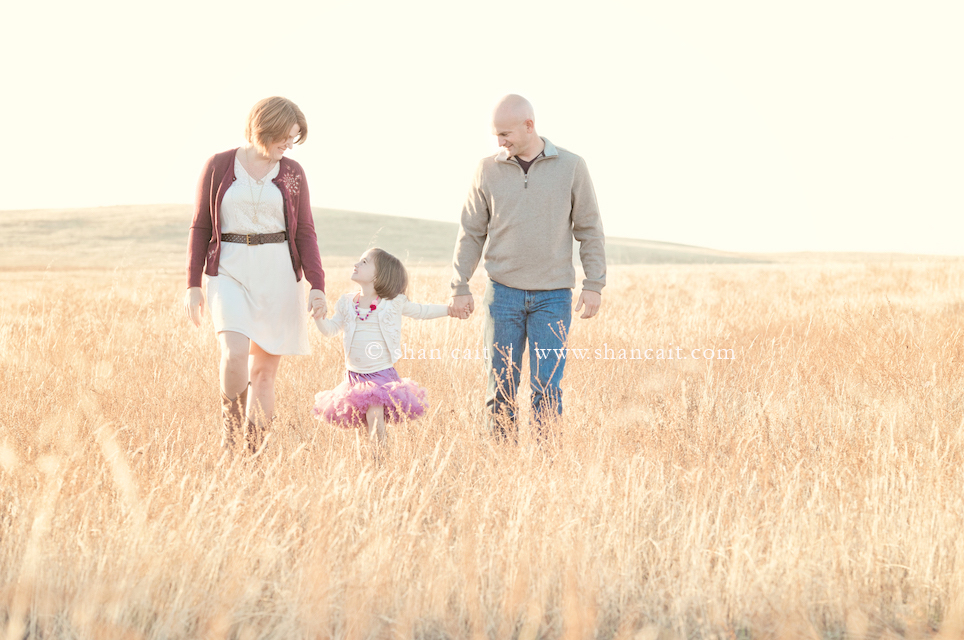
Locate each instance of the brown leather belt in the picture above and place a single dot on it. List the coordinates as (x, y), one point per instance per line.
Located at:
(266, 238)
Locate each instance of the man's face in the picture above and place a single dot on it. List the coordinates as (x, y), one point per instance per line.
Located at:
(514, 136)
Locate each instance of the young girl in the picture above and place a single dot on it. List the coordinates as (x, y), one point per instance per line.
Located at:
(372, 321)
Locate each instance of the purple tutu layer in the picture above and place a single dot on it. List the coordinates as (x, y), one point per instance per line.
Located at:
(346, 404)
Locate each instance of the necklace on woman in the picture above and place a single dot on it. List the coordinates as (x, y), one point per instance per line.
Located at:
(371, 308)
(255, 205)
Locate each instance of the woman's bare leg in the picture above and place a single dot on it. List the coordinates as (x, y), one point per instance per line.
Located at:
(234, 387)
(234, 362)
(264, 372)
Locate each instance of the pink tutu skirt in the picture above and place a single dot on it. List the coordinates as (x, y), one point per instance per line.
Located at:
(346, 404)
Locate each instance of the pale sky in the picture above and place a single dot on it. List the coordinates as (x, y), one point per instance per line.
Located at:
(742, 126)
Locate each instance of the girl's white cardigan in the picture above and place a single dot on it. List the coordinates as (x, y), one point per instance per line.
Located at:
(389, 314)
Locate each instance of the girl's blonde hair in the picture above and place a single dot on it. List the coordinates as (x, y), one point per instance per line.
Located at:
(391, 279)
(270, 121)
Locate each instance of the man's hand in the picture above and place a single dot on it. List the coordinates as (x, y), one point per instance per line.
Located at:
(317, 304)
(194, 305)
(462, 306)
(591, 300)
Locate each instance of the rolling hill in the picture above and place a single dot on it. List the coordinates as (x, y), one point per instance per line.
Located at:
(154, 236)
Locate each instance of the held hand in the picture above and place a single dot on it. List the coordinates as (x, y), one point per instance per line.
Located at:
(463, 306)
(592, 301)
(317, 304)
(194, 305)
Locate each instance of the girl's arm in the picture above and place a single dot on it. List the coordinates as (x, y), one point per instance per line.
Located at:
(423, 311)
(334, 325)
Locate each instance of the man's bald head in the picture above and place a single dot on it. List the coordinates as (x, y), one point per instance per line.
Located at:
(513, 109)
(513, 123)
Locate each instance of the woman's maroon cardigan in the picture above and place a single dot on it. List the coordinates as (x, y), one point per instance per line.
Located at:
(204, 242)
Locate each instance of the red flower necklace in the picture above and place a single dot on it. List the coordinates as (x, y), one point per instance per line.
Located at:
(371, 308)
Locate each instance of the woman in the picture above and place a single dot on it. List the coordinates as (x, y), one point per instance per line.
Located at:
(253, 238)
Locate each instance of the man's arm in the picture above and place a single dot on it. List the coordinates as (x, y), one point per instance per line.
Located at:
(473, 231)
(587, 228)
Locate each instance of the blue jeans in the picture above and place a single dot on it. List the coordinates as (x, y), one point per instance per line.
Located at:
(514, 317)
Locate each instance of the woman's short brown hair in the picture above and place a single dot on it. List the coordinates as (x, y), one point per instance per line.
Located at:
(270, 121)
(391, 278)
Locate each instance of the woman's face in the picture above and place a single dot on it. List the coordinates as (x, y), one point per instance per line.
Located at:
(276, 150)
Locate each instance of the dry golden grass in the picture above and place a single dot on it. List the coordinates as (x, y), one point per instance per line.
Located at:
(809, 487)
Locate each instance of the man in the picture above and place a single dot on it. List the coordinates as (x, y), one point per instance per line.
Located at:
(530, 200)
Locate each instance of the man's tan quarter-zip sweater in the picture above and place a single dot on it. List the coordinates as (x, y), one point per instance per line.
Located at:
(530, 219)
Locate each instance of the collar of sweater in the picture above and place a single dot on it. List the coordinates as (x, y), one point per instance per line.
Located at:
(550, 152)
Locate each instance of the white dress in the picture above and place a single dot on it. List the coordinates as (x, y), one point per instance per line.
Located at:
(255, 292)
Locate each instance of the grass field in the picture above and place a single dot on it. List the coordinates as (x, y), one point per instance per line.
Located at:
(810, 486)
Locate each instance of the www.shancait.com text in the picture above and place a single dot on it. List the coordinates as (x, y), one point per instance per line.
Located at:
(604, 352)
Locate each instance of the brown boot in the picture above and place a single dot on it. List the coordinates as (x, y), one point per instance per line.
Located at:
(256, 435)
(232, 420)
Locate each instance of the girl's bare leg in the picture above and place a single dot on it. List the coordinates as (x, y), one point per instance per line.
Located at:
(375, 416)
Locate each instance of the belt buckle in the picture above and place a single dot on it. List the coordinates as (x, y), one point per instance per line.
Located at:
(247, 239)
